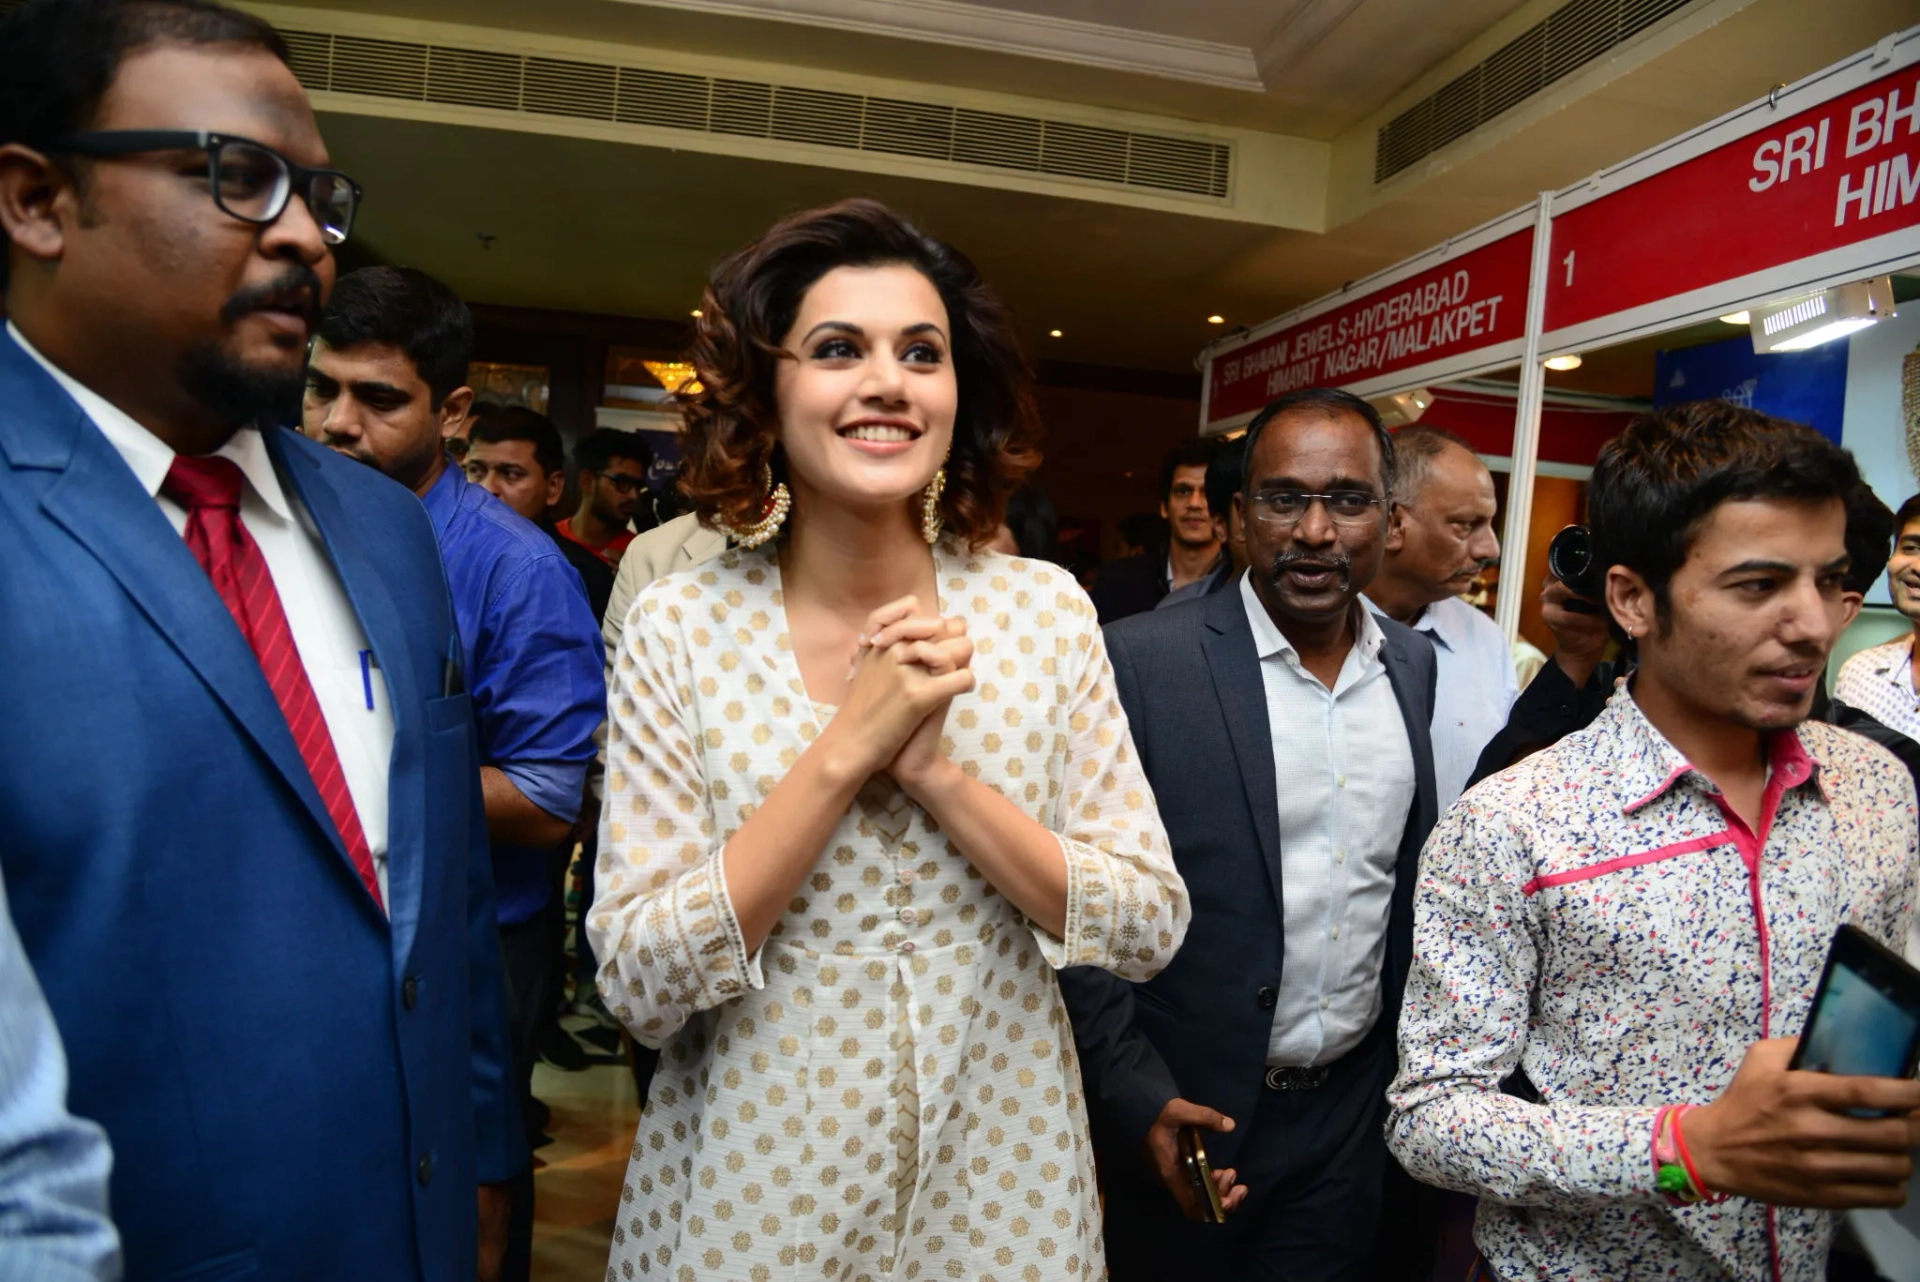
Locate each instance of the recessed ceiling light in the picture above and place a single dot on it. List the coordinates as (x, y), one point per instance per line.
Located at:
(1216, 320)
(1737, 318)
(1564, 363)
(696, 313)
(1054, 333)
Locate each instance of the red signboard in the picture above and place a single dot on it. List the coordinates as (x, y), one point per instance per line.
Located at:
(1569, 432)
(1845, 171)
(1477, 299)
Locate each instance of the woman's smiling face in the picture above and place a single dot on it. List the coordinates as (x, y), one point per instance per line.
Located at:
(868, 398)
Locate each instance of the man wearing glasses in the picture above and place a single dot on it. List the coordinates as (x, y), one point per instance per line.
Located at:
(243, 843)
(613, 480)
(1284, 728)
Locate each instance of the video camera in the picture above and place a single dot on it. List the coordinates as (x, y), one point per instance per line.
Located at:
(1571, 559)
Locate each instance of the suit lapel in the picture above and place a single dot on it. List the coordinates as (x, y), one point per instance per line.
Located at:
(1235, 667)
(366, 589)
(139, 547)
(1416, 710)
(1413, 690)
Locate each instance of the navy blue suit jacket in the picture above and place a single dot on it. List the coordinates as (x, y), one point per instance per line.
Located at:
(294, 1086)
(1189, 679)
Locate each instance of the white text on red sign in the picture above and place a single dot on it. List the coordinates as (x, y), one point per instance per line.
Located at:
(1438, 314)
(1861, 190)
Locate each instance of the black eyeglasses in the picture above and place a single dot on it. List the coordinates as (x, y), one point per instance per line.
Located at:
(249, 180)
(624, 483)
(1284, 508)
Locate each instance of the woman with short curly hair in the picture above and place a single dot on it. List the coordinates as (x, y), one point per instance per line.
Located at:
(866, 787)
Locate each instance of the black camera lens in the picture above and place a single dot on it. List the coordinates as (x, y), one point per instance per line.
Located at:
(1570, 559)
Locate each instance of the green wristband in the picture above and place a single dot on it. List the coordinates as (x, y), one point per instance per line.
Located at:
(1673, 1180)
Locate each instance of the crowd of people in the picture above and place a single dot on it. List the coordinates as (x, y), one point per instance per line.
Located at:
(1240, 919)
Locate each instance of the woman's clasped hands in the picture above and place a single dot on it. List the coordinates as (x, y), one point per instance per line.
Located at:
(906, 671)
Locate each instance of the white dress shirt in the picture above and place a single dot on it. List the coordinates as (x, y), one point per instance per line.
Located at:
(1879, 682)
(1476, 689)
(1343, 773)
(352, 694)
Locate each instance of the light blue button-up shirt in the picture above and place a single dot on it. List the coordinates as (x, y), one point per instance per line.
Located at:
(53, 1166)
(1344, 780)
(1475, 690)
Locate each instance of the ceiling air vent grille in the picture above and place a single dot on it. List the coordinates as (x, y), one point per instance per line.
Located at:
(557, 88)
(388, 68)
(754, 109)
(998, 141)
(823, 119)
(908, 129)
(664, 98)
(471, 78)
(1567, 39)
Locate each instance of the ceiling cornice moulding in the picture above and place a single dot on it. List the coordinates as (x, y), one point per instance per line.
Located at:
(1300, 32)
(1006, 31)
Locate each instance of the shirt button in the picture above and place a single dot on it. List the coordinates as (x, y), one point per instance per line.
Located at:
(1340, 858)
(907, 947)
(1267, 997)
(1325, 1002)
(906, 876)
(1343, 781)
(426, 1170)
(1336, 932)
(908, 916)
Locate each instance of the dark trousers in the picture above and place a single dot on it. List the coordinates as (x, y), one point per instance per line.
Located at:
(526, 952)
(1314, 1163)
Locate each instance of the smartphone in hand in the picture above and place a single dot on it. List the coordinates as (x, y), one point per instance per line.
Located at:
(1866, 1012)
(1193, 1160)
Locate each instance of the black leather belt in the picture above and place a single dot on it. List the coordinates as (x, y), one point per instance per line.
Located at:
(1297, 1079)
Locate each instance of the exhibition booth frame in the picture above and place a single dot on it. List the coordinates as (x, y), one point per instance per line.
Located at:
(1814, 187)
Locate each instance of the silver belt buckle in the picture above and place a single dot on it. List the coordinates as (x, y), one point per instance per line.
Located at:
(1295, 1078)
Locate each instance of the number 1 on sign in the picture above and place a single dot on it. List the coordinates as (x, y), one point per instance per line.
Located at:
(1568, 260)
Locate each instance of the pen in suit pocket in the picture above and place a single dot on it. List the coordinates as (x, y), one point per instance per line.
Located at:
(453, 678)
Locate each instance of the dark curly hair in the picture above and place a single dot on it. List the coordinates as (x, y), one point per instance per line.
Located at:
(751, 303)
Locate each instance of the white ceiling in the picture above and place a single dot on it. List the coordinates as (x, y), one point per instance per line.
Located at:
(610, 227)
(1324, 64)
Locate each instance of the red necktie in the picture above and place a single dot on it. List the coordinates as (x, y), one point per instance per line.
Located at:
(209, 488)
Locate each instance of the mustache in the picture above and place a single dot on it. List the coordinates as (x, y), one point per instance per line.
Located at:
(297, 291)
(1339, 562)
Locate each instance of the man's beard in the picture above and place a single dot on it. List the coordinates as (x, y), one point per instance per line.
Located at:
(238, 395)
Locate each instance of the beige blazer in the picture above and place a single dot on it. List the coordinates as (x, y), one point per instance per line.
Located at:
(678, 545)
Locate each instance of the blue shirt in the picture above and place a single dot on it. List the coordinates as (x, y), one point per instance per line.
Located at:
(53, 1166)
(534, 664)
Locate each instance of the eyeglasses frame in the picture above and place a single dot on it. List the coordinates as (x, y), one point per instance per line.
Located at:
(1258, 501)
(102, 144)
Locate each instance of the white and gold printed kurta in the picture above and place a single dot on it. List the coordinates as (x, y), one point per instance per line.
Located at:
(889, 1088)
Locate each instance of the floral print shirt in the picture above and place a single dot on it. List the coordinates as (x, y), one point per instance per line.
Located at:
(1597, 917)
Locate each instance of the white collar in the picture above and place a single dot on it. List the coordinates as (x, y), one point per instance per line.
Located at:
(1436, 620)
(1269, 641)
(1897, 667)
(147, 455)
